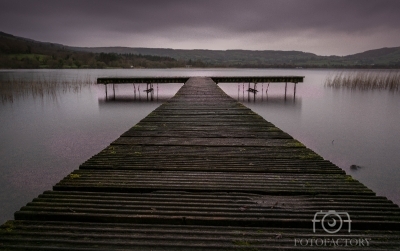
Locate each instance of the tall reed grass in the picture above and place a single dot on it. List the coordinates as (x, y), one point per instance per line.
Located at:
(12, 89)
(366, 80)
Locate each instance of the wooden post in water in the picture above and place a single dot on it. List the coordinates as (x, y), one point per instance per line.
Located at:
(255, 91)
(106, 90)
(243, 92)
(262, 91)
(114, 90)
(248, 93)
(294, 91)
(147, 91)
(285, 89)
(152, 92)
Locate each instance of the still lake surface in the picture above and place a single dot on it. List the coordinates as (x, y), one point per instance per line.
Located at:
(45, 137)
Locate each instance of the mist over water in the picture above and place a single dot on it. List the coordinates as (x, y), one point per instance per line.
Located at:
(43, 138)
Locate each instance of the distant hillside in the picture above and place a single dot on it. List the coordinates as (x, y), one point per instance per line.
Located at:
(17, 52)
(385, 57)
(22, 53)
(229, 57)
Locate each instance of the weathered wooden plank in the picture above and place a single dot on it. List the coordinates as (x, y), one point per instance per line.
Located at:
(102, 236)
(208, 141)
(207, 163)
(256, 79)
(284, 183)
(139, 80)
(180, 132)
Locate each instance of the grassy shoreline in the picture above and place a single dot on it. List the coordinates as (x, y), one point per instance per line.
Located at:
(370, 80)
(13, 89)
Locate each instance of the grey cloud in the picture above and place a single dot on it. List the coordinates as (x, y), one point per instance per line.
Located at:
(232, 15)
(72, 20)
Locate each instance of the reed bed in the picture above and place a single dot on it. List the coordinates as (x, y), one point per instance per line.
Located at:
(371, 80)
(12, 89)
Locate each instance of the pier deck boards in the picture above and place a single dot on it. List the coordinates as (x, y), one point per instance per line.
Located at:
(220, 79)
(201, 172)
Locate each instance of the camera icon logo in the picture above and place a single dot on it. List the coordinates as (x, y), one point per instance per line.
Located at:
(331, 221)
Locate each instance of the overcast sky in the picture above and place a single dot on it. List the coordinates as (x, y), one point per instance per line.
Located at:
(324, 27)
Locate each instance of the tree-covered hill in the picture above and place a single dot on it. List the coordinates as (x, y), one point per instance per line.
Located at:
(385, 57)
(17, 52)
(22, 53)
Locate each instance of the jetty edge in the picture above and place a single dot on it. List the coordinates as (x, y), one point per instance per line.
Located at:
(204, 172)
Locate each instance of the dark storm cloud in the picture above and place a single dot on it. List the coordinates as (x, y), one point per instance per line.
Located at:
(68, 21)
(238, 16)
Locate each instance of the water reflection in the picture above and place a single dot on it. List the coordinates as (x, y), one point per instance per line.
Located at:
(262, 93)
(149, 93)
(136, 93)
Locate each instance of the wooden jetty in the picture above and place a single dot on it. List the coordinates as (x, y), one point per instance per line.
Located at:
(221, 79)
(203, 172)
(149, 81)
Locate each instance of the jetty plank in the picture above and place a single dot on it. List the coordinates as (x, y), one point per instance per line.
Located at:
(203, 172)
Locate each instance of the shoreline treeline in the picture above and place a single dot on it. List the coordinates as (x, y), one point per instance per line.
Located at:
(22, 53)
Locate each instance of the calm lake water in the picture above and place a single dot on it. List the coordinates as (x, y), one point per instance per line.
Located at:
(45, 137)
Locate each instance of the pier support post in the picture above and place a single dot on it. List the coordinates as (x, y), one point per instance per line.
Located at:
(248, 93)
(243, 90)
(262, 91)
(255, 91)
(147, 91)
(152, 92)
(106, 90)
(285, 89)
